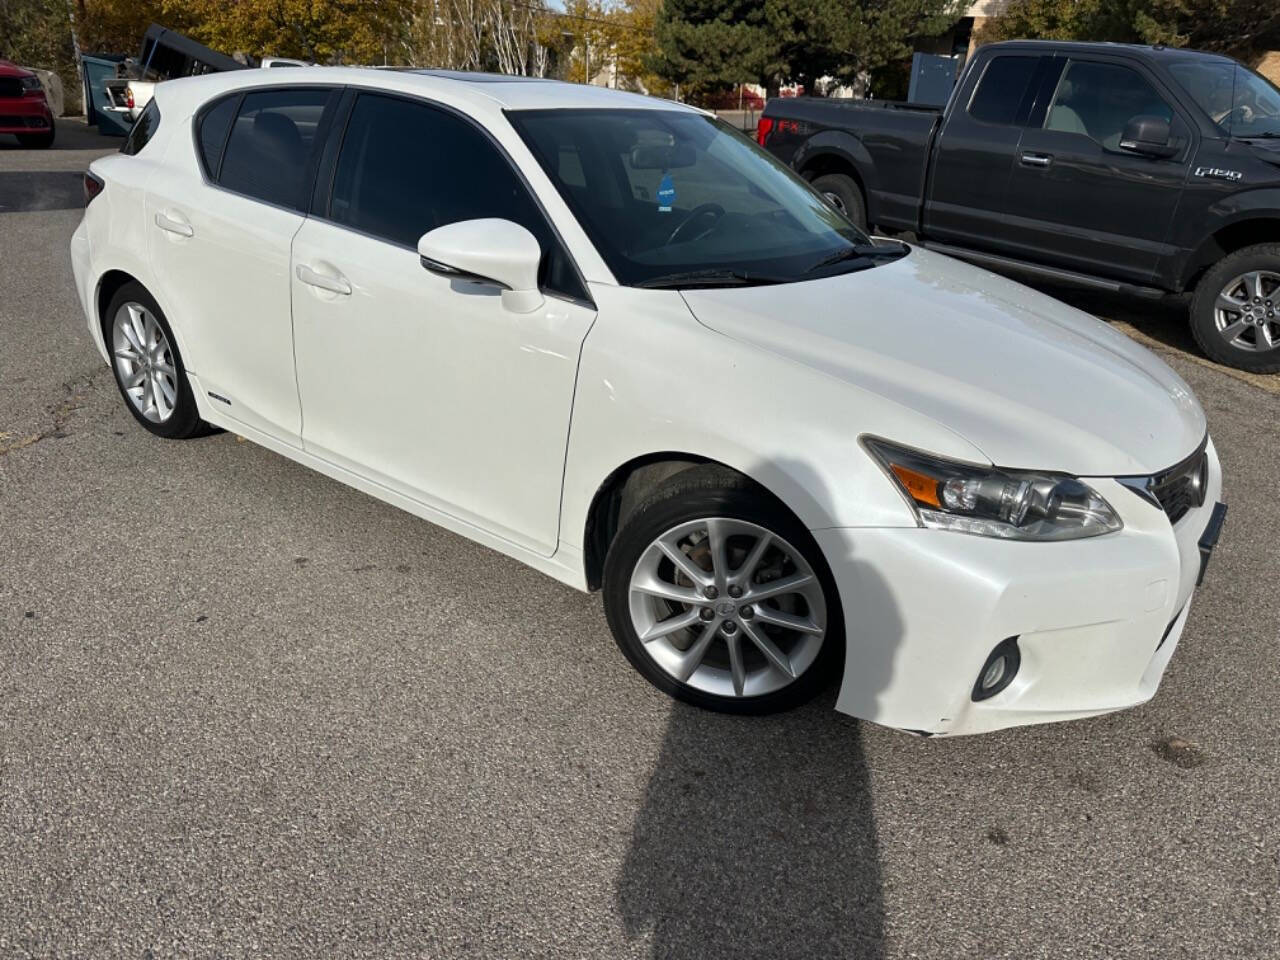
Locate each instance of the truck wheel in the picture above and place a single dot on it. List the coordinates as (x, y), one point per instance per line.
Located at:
(845, 195)
(1235, 314)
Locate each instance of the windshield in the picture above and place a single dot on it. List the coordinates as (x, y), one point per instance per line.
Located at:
(1238, 100)
(679, 199)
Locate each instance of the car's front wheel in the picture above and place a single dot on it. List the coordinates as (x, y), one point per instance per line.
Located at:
(721, 598)
(1235, 314)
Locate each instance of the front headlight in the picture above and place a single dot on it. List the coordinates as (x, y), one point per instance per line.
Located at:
(989, 502)
(31, 83)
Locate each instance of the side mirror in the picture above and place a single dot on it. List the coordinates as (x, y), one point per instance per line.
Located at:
(492, 251)
(1148, 136)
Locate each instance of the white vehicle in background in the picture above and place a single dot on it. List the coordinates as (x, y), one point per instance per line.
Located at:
(611, 337)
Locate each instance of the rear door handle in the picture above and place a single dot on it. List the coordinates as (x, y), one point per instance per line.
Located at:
(172, 225)
(311, 278)
(1036, 159)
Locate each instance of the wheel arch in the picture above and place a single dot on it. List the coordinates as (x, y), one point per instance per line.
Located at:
(108, 285)
(626, 487)
(840, 153)
(1250, 229)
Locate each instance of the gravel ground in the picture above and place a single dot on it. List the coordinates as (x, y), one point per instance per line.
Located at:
(246, 711)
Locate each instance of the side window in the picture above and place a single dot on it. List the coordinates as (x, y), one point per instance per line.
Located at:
(271, 138)
(1098, 99)
(144, 128)
(406, 168)
(1000, 91)
(214, 122)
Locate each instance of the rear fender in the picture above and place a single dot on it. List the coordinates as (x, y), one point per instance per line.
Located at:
(849, 151)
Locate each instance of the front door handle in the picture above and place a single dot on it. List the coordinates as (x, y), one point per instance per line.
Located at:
(1036, 159)
(172, 225)
(311, 278)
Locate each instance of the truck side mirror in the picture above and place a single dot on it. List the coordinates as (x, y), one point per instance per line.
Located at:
(1148, 136)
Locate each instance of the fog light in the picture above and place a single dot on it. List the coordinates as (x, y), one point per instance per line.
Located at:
(999, 669)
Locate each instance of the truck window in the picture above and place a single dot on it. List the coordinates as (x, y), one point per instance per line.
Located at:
(1098, 99)
(1001, 89)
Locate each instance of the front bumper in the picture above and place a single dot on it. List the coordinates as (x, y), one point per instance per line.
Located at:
(25, 115)
(1097, 620)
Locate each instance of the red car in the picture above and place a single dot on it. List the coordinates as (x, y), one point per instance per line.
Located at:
(24, 111)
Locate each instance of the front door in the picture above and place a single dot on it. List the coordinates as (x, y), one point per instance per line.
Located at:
(425, 384)
(1076, 199)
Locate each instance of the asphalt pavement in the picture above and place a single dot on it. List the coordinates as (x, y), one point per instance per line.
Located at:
(247, 711)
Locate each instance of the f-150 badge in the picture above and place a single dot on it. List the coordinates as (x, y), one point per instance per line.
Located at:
(1218, 173)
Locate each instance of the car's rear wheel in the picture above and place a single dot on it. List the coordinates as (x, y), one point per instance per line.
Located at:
(147, 365)
(1235, 314)
(845, 195)
(721, 598)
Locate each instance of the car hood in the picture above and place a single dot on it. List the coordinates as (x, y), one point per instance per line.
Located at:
(1029, 381)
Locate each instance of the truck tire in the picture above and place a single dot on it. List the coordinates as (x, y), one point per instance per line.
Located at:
(1235, 313)
(845, 195)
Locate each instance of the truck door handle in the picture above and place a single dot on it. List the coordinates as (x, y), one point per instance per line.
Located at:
(311, 278)
(1036, 159)
(172, 225)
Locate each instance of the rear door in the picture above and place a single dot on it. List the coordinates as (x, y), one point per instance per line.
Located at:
(221, 220)
(1079, 201)
(975, 150)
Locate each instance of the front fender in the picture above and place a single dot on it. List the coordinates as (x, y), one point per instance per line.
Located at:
(653, 380)
(1231, 211)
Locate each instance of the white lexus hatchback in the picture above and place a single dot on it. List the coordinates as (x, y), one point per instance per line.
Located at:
(610, 337)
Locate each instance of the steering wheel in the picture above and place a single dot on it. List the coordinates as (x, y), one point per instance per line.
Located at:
(713, 210)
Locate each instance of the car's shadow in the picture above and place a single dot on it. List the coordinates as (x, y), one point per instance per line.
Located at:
(756, 839)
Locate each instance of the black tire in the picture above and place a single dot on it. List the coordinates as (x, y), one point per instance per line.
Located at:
(711, 491)
(38, 141)
(184, 422)
(845, 195)
(1263, 257)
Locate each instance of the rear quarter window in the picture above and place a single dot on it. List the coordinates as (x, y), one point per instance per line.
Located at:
(212, 126)
(1001, 89)
(144, 128)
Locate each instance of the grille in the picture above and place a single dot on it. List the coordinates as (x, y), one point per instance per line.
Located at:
(10, 87)
(22, 121)
(1181, 487)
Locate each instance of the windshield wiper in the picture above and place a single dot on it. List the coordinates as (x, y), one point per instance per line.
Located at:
(1266, 135)
(710, 278)
(861, 251)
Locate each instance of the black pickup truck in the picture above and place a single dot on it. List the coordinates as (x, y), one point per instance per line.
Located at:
(1147, 170)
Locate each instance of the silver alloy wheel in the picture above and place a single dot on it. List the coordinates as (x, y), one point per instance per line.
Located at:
(144, 362)
(835, 200)
(728, 607)
(1247, 311)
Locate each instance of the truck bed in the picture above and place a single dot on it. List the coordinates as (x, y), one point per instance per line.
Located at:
(890, 139)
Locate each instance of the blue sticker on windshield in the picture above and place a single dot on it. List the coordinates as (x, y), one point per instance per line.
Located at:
(666, 194)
